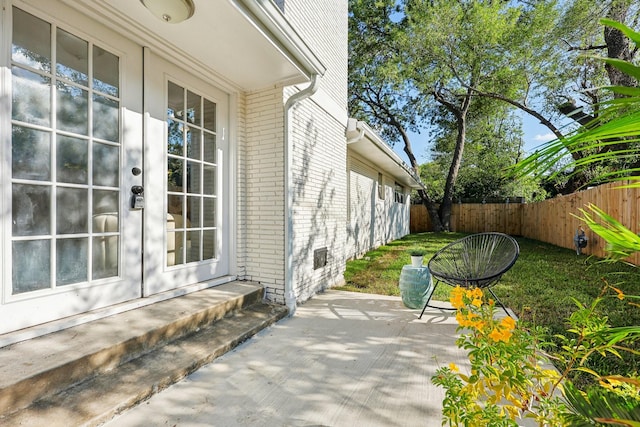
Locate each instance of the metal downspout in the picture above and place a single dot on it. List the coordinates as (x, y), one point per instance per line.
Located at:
(290, 296)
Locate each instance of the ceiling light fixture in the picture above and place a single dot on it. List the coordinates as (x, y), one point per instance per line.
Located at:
(171, 11)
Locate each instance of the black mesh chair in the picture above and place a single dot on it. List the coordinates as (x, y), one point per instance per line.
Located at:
(478, 260)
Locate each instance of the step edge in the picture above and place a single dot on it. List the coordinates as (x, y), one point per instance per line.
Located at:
(55, 379)
(226, 344)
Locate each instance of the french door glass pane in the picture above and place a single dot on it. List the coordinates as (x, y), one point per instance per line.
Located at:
(193, 176)
(193, 246)
(209, 111)
(209, 244)
(105, 201)
(209, 183)
(72, 58)
(72, 158)
(73, 108)
(174, 174)
(175, 132)
(106, 164)
(31, 97)
(209, 212)
(66, 177)
(193, 108)
(175, 106)
(106, 118)
(31, 267)
(31, 41)
(175, 207)
(194, 137)
(105, 256)
(72, 210)
(31, 210)
(191, 121)
(31, 154)
(106, 72)
(193, 212)
(72, 262)
(209, 147)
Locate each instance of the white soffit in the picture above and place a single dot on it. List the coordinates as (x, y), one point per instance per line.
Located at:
(366, 143)
(245, 42)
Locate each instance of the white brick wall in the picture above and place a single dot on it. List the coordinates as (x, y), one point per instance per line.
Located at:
(324, 27)
(319, 169)
(388, 219)
(263, 197)
(319, 198)
(241, 185)
(319, 148)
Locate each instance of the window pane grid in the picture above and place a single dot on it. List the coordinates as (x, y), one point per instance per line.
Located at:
(53, 124)
(191, 172)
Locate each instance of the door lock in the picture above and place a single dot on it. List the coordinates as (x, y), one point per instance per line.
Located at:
(137, 197)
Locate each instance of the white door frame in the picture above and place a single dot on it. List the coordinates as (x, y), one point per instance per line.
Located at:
(31, 308)
(158, 276)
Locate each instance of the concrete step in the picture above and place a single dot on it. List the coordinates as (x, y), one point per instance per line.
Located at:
(87, 374)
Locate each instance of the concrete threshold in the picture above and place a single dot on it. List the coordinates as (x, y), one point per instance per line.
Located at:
(87, 374)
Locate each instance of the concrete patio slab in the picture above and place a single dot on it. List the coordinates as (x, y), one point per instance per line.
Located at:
(344, 359)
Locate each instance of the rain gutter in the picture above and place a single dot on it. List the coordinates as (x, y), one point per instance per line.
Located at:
(290, 296)
(267, 17)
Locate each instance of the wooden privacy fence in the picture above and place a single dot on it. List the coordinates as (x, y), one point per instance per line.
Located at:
(550, 221)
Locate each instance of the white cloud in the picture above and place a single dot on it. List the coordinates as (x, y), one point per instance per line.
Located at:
(544, 137)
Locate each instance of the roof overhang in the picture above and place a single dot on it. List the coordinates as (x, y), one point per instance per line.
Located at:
(246, 43)
(366, 143)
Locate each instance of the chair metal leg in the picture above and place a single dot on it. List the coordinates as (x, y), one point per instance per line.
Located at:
(499, 302)
(429, 299)
(433, 306)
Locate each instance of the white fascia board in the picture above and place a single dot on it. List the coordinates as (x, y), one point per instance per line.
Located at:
(267, 17)
(364, 141)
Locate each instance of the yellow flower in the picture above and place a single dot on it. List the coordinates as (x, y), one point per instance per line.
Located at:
(456, 301)
(618, 291)
(508, 323)
(456, 297)
(477, 302)
(505, 336)
(495, 335)
(498, 335)
(477, 293)
(453, 367)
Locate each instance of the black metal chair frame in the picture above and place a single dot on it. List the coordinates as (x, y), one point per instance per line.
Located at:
(475, 261)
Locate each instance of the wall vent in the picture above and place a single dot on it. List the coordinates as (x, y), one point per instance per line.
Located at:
(319, 258)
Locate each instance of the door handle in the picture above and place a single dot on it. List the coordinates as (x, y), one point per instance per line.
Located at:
(137, 199)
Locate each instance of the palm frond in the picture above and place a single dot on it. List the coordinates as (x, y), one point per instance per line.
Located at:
(600, 407)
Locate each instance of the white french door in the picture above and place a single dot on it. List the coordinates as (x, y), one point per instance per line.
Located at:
(186, 236)
(87, 126)
(70, 148)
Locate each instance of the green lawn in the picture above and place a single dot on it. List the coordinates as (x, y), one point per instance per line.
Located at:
(539, 287)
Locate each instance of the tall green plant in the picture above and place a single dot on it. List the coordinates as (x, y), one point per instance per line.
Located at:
(611, 138)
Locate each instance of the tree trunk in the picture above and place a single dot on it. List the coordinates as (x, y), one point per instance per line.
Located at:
(447, 199)
(431, 206)
(618, 45)
(460, 112)
(432, 210)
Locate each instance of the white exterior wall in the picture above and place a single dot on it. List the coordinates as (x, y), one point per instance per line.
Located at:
(263, 192)
(319, 198)
(241, 185)
(319, 153)
(372, 221)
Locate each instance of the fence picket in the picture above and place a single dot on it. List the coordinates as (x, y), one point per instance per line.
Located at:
(553, 221)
